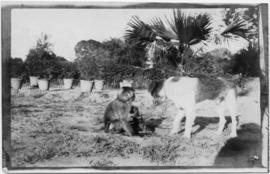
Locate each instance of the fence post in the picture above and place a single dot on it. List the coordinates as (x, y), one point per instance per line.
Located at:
(263, 37)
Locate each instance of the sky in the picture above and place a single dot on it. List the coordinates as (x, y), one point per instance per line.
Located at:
(66, 27)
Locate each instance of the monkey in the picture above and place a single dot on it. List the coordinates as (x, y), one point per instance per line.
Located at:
(117, 112)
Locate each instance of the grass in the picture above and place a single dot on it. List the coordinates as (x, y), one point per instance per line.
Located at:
(41, 136)
(62, 125)
(162, 153)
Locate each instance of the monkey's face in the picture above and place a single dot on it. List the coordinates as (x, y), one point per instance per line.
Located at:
(128, 94)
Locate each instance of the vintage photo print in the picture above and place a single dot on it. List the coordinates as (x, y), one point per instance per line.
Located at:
(134, 87)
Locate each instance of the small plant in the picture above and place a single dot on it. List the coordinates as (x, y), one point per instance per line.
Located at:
(69, 70)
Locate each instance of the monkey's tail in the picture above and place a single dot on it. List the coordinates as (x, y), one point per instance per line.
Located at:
(87, 128)
(98, 129)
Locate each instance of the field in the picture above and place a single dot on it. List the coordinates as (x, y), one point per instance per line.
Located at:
(63, 128)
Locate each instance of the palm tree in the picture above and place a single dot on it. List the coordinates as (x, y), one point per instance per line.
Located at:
(181, 32)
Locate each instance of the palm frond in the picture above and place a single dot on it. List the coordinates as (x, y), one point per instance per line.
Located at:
(236, 28)
(139, 32)
(161, 31)
(190, 30)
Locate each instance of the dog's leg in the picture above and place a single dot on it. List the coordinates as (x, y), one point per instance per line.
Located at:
(190, 116)
(222, 120)
(177, 122)
(232, 106)
(234, 125)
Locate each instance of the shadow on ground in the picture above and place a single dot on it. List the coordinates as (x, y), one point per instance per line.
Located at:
(203, 122)
(152, 123)
(243, 150)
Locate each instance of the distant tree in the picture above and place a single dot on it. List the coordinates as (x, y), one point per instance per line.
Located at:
(61, 59)
(134, 55)
(247, 60)
(125, 53)
(41, 60)
(91, 49)
(87, 48)
(250, 15)
(91, 57)
(115, 47)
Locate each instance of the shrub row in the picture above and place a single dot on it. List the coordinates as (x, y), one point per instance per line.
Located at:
(115, 73)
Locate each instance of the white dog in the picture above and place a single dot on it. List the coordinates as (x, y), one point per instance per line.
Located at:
(186, 92)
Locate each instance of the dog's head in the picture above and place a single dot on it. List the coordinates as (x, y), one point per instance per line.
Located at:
(156, 90)
(127, 94)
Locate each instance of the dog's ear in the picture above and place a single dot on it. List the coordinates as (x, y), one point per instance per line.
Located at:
(155, 86)
(127, 94)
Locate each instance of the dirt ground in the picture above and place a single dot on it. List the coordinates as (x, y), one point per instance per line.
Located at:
(62, 128)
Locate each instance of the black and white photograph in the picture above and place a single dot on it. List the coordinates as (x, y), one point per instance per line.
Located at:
(132, 86)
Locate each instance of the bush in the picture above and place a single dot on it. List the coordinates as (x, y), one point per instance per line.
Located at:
(69, 70)
(247, 62)
(115, 73)
(44, 69)
(17, 68)
(214, 63)
(205, 65)
(87, 68)
(125, 53)
(41, 60)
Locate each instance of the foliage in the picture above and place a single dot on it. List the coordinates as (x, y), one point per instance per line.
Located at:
(115, 73)
(236, 28)
(125, 53)
(17, 68)
(87, 48)
(69, 70)
(183, 32)
(36, 61)
(247, 62)
(190, 30)
(214, 63)
(247, 14)
(87, 68)
(115, 47)
(174, 41)
(91, 58)
(134, 55)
